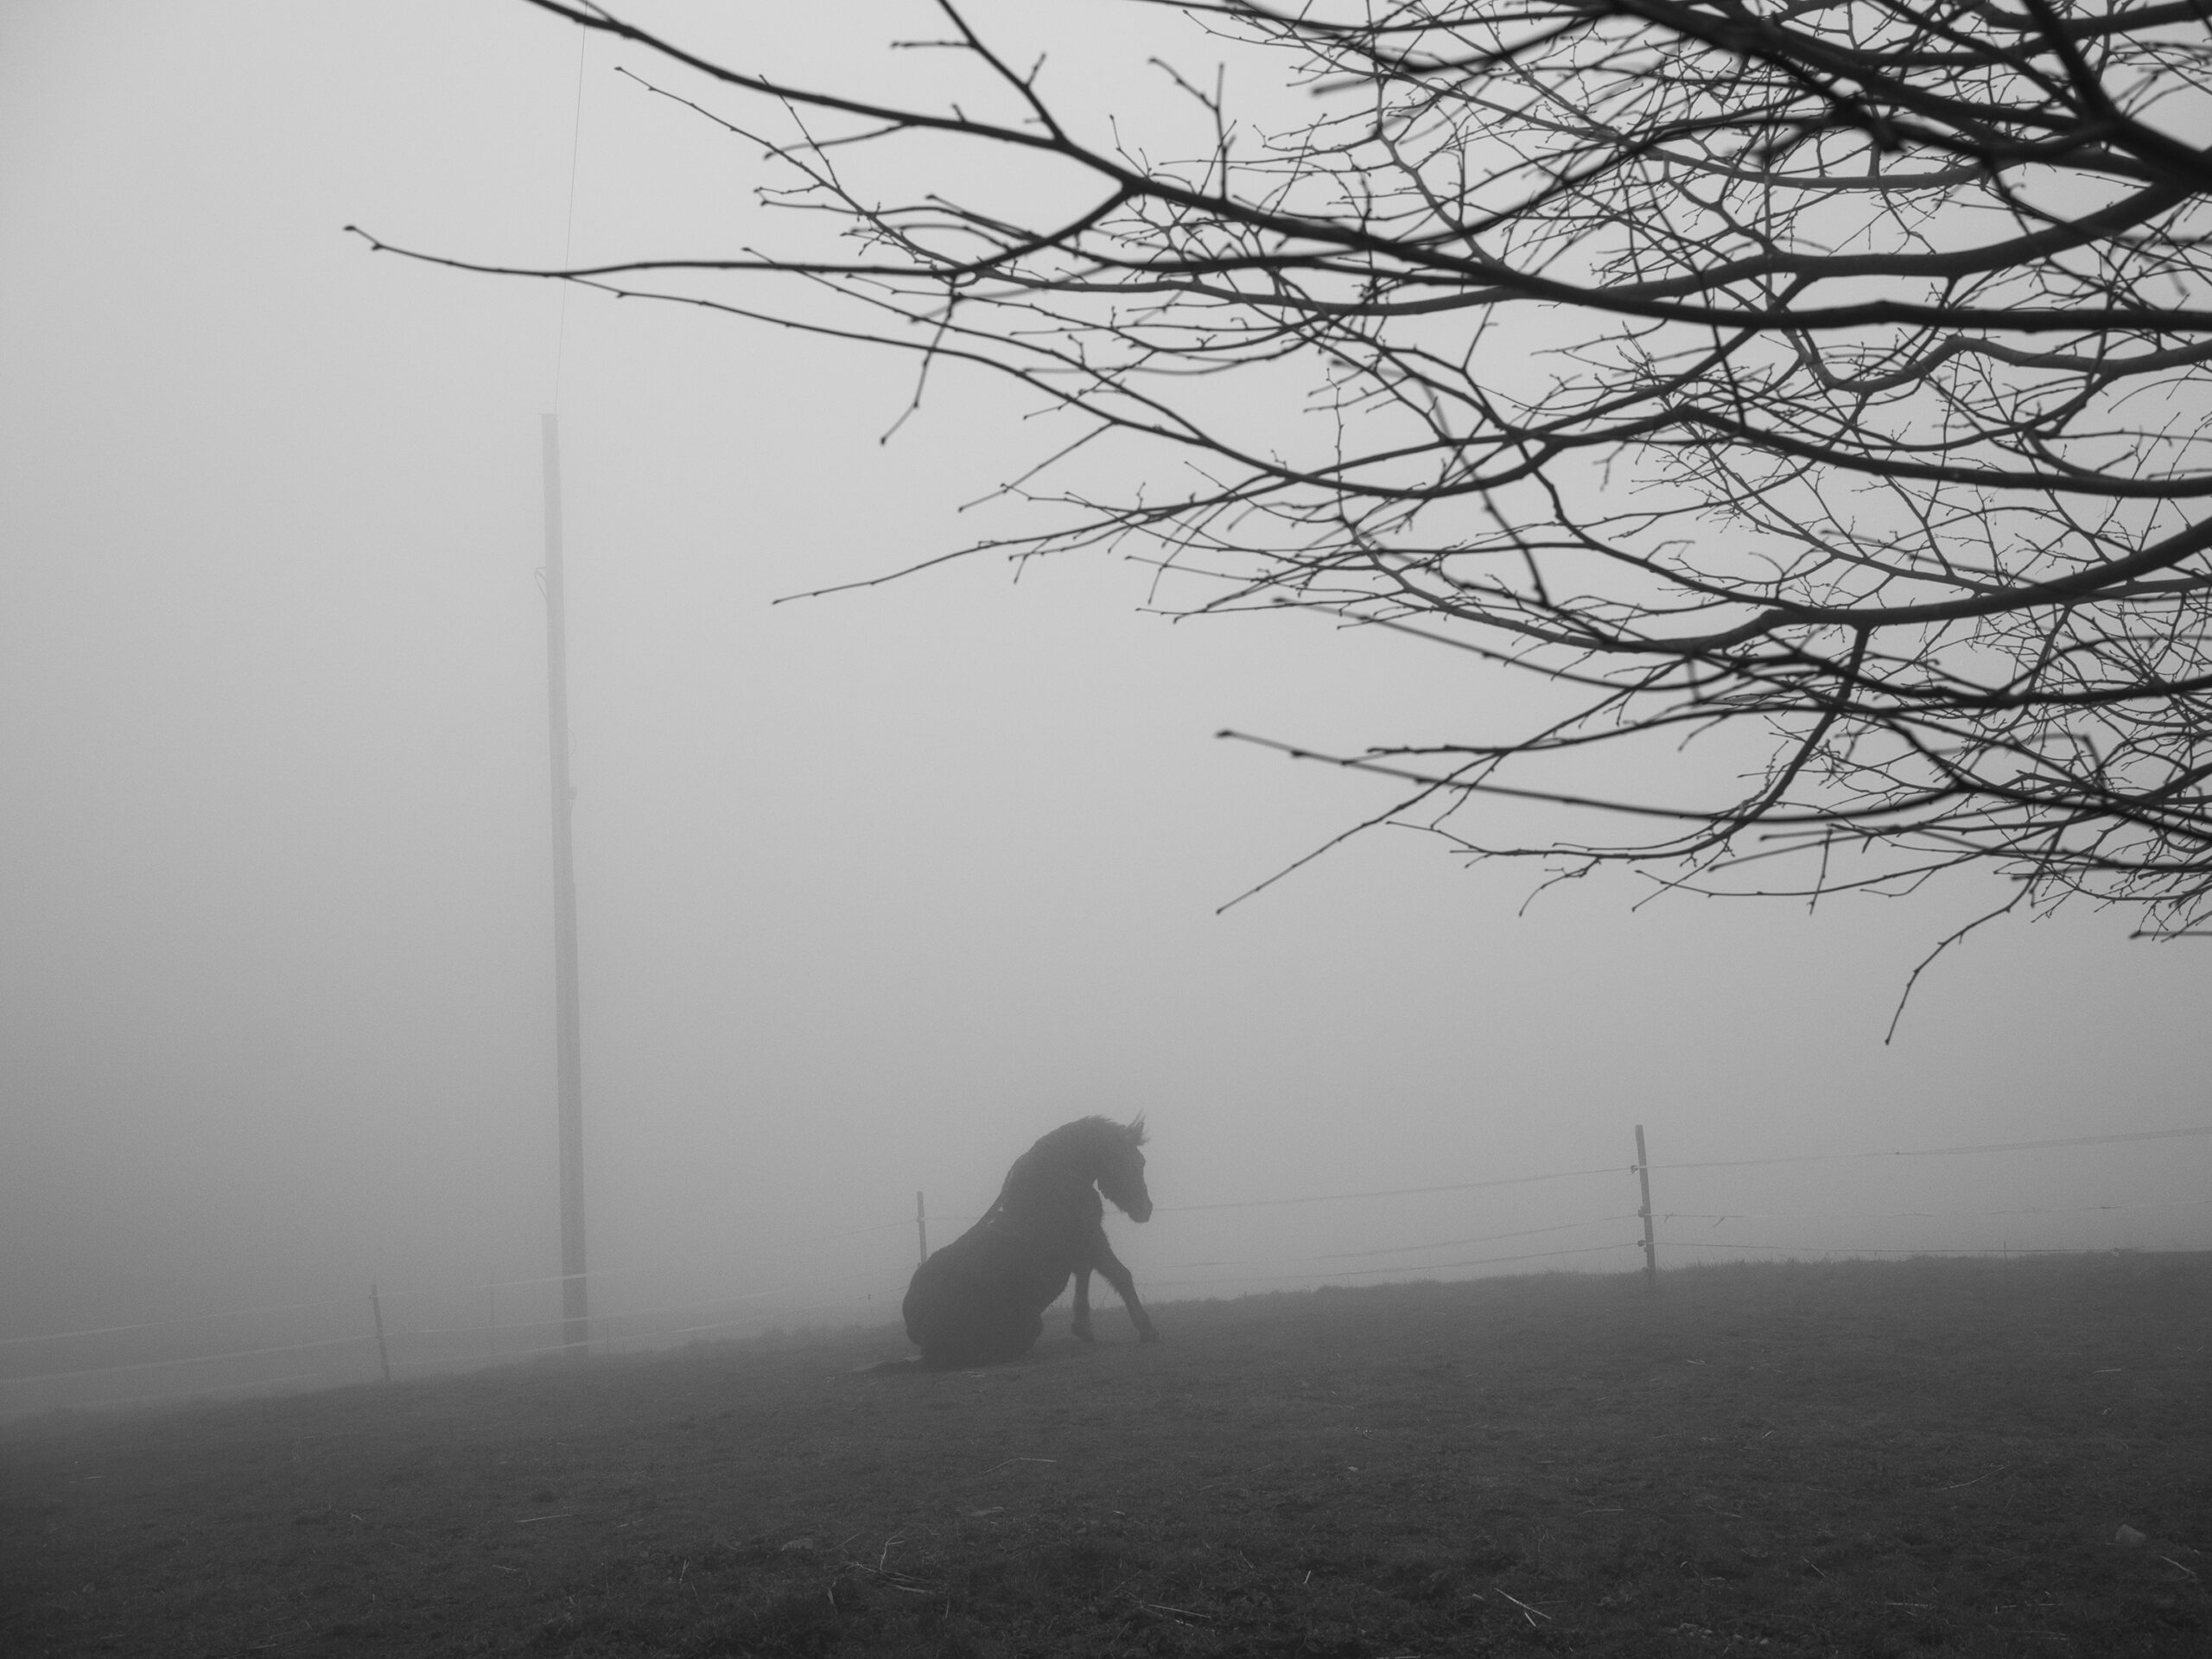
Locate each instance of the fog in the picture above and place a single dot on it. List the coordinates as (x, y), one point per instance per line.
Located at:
(874, 888)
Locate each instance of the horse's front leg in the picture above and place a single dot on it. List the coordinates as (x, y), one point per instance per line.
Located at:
(1082, 1303)
(1118, 1276)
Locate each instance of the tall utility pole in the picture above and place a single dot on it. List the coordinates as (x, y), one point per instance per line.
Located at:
(577, 1331)
(1650, 1244)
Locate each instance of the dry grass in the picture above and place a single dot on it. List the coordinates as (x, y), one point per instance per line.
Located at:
(1847, 1458)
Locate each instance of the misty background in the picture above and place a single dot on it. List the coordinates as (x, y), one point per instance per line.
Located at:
(874, 888)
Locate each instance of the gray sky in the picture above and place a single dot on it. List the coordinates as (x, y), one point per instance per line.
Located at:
(874, 889)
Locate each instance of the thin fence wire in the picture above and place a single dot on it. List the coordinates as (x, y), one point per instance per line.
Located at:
(1396, 1191)
(632, 1269)
(187, 1319)
(1400, 1250)
(597, 1319)
(396, 1332)
(1480, 1238)
(191, 1359)
(1929, 1215)
(1797, 1252)
(391, 1294)
(1942, 1152)
(1365, 1273)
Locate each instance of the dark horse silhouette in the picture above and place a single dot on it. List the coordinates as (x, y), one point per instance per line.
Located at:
(981, 1299)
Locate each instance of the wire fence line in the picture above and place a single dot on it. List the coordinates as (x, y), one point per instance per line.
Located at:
(454, 1287)
(1441, 1267)
(1930, 1214)
(870, 1293)
(187, 1319)
(1946, 1151)
(192, 1359)
(562, 1318)
(1479, 1238)
(901, 1225)
(1803, 1253)
(1392, 1193)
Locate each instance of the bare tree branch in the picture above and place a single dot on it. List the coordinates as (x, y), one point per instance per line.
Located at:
(1811, 396)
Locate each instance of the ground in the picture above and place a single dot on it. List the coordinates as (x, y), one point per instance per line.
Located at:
(1851, 1458)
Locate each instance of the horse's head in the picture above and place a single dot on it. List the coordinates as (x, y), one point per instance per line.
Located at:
(1121, 1168)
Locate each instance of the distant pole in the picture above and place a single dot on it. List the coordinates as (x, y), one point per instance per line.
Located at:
(1650, 1245)
(921, 1228)
(576, 1331)
(376, 1308)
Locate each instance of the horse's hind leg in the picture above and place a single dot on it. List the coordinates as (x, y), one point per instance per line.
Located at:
(1118, 1276)
(1083, 1305)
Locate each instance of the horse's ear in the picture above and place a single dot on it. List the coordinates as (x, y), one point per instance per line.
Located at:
(1136, 1130)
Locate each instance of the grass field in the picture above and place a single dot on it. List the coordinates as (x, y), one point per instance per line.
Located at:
(1838, 1459)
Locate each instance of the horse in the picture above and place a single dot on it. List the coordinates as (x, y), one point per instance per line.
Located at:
(981, 1301)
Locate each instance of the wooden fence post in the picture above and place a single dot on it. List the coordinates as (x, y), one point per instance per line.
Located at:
(921, 1229)
(377, 1308)
(1650, 1246)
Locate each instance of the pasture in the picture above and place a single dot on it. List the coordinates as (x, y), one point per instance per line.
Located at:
(1851, 1458)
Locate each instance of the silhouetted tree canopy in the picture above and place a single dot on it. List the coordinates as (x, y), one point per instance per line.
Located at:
(1824, 380)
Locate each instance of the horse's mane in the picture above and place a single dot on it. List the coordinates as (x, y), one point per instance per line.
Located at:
(1097, 1123)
